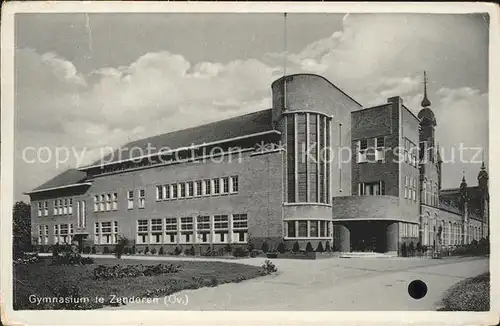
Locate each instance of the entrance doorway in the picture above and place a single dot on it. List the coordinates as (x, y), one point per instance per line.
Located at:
(368, 236)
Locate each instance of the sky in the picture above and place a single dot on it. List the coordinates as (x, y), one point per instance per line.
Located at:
(88, 82)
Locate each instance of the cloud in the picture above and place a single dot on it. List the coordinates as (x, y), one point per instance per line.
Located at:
(372, 58)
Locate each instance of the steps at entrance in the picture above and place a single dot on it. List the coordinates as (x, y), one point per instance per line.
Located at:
(368, 255)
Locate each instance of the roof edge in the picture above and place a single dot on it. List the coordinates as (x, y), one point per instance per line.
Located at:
(183, 148)
(58, 187)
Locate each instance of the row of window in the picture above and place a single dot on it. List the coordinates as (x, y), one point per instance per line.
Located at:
(308, 229)
(209, 229)
(411, 188)
(81, 214)
(198, 188)
(61, 207)
(106, 232)
(63, 233)
(362, 149)
(410, 152)
(106, 202)
(430, 193)
(452, 233)
(408, 230)
(308, 157)
(371, 188)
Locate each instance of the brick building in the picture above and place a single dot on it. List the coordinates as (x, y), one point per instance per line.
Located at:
(316, 167)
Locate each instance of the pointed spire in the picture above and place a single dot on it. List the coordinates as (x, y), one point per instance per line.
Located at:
(425, 102)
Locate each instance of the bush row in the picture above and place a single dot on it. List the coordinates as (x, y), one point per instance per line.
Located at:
(107, 272)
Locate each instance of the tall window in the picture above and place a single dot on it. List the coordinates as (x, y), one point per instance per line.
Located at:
(106, 233)
(39, 206)
(225, 185)
(362, 150)
(190, 189)
(142, 198)
(240, 227)
(313, 231)
(312, 158)
(84, 213)
(234, 184)
(166, 192)
(379, 148)
(186, 229)
(174, 190)
(291, 229)
(78, 216)
(70, 206)
(159, 193)
(182, 190)
(114, 201)
(221, 228)
(203, 228)
(216, 189)
(198, 188)
(290, 166)
(207, 190)
(406, 186)
(102, 203)
(302, 157)
(65, 210)
(302, 229)
(156, 230)
(45, 208)
(130, 199)
(142, 231)
(96, 203)
(170, 230)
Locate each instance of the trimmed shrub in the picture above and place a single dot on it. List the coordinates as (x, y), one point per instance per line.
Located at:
(153, 251)
(119, 249)
(320, 247)
(87, 250)
(296, 247)
(419, 247)
(94, 251)
(411, 249)
(133, 250)
(161, 252)
(281, 248)
(265, 247)
(404, 250)
(146, 251)
(55, 250)
(239, 252)
(309, 247)
(177, 251)
(105, 250)
(327, 246)
(227, 248)
(107, 272)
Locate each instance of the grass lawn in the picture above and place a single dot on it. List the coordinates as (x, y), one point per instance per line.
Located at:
(42, 280)
(472, 294)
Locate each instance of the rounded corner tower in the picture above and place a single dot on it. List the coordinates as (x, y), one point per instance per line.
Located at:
(314, 118)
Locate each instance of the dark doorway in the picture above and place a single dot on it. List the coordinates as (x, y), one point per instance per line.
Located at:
(368, 236)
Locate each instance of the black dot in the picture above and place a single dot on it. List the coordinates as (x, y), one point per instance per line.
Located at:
(417, 289)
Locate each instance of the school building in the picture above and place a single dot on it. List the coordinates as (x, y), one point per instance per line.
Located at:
(315, 167)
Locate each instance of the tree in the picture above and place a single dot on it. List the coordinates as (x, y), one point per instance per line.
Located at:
(281, 248)
(309, 247)
(265, 247)
(296, 247)
(21, 227)
(120, 246)
(320, 247)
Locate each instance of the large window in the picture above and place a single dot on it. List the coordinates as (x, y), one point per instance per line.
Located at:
(302, 158)
(156, 230)
(142, 231)
(290, 148)
(240, 228)
(371, 188)
(203, 227)
(234, 184)
(221, 228)
(142, 198)
(362, 149)
(302, 229)
(130, 199)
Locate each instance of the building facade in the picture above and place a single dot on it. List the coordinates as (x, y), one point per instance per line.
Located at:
(316, 167)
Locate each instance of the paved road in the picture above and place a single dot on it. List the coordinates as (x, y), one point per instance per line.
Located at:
(333, 284)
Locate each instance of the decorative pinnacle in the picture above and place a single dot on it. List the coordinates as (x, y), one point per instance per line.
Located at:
(425, 102)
